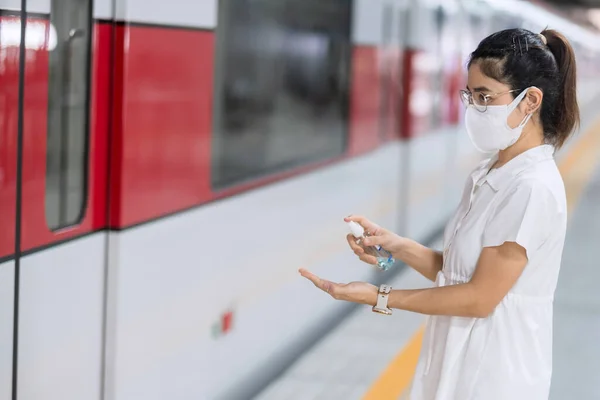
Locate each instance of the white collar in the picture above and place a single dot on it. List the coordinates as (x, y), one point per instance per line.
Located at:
(499, 177)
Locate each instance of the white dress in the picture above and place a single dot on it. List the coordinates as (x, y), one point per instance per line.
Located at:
(507, 355)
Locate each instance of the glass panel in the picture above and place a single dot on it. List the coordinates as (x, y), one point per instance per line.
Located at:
(281, 86)
(68, 93)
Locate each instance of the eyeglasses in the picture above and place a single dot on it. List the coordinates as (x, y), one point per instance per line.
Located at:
(480, 100)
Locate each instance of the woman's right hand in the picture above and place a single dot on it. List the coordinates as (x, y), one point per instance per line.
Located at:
(378, 236)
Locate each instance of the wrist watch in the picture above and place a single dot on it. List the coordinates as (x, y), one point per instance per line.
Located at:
(382, 300)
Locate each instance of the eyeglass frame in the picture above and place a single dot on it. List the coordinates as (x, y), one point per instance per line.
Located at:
(486, 97)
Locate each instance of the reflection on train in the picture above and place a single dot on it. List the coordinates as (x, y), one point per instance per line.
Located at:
(167, 166)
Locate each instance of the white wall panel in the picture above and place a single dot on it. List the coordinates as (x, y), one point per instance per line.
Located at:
(170, 280)
(7, 295)
(195, 13)
(33, 6)
(60, 321)
(10, 5)
(367, 17)
(39, 6)
(103, 9)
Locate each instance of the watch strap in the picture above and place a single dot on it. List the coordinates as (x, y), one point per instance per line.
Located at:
(382, 300)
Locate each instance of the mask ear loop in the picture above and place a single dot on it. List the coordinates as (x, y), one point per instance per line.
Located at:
(515, 103)
(513, 106)
(525, 121)
(530, 115)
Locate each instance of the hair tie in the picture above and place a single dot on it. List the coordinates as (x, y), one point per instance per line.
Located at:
(544, 39)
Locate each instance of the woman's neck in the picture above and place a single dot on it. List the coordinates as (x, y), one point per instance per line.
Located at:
(532, 137)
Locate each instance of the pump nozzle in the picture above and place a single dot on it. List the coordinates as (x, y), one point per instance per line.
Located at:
(357, 230)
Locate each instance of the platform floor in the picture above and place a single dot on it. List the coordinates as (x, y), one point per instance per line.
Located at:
(373, 357)
(577, 304)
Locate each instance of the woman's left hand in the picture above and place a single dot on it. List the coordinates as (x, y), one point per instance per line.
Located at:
(356, 292)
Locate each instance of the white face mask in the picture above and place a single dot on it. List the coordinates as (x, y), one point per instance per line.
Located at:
(489, 130)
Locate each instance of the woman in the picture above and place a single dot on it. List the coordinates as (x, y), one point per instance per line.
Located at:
(490, 331)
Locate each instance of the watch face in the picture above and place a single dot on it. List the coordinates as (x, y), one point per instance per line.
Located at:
(385, 289)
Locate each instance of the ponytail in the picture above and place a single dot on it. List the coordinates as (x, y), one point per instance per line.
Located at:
(520, 59)
(565, 118)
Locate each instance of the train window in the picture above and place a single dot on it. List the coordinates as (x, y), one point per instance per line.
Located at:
(281, 86)
(68, 115)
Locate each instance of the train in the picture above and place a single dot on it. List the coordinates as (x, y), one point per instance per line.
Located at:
(167, 166)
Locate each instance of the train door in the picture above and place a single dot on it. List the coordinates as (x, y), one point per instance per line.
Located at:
(53, 140)
(10, 57)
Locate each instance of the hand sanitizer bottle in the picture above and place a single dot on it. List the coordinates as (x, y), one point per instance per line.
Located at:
(385, 260)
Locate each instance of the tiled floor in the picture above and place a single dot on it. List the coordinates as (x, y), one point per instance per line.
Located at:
(577, 304)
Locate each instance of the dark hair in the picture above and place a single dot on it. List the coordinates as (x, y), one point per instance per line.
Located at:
(520, 58)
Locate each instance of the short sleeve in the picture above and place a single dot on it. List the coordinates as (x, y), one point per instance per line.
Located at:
(525, 216)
